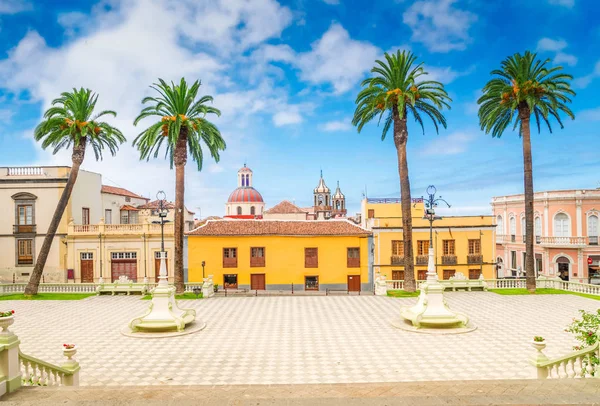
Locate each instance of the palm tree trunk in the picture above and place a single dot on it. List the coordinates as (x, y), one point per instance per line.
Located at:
(180, 161)
(34, 281)
(400, 139)
(524, 115)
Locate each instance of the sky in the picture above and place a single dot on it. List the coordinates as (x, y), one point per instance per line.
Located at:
(285, 76)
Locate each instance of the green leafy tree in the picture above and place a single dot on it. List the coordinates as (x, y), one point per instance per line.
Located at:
(399, 89)
(523, 86)
(182, 129)
(71, 123)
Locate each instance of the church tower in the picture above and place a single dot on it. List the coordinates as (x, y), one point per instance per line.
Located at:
(322, 200)
(338, 202)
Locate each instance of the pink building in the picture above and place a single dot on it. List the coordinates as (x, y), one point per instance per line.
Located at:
(566, 234)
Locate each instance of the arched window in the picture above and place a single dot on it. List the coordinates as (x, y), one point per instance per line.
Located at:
(252, 210)
(538, 229)
(523, 228)
(513, 228)
(247, 180)
(239, 211)
(499, 226)
(561, 225)
(337, 205)
(243, 180)
(593, 229)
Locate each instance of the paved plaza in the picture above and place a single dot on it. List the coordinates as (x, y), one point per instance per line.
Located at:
(297, 340)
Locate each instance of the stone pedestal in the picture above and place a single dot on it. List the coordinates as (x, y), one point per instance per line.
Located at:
(10, 367)
(431, 309)
(208, 287)
(380, 286)
(164, 314)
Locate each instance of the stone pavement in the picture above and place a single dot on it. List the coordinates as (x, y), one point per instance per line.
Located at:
(506, 392)
(297, 340)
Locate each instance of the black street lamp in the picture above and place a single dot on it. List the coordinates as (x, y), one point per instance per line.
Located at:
(162, 214)
(430, 204)
(203, 264)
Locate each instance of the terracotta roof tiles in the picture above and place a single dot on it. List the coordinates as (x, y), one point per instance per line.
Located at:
(113, 190)
(279, 227)
(285, 207)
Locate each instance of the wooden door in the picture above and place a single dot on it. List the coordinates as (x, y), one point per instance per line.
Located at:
(127, 267)
(257, 281)
(353, 283)
(87, 271)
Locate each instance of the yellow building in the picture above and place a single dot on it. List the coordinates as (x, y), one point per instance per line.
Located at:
(274, 254)
(464, 244)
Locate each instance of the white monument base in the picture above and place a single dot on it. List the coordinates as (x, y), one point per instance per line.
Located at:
(432, 310)
(163, 313)
(208, 287)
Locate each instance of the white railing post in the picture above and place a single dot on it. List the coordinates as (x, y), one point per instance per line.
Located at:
(72, 366)
(10, 368)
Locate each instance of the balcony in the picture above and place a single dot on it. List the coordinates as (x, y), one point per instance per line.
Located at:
(24, 229)
(567, 242)
(474, 259)
(397, 260)
(422, 259)
(448, 259)
(593, 240)
(256, 261)
(229, 262)
(119, 229)
(353, 262)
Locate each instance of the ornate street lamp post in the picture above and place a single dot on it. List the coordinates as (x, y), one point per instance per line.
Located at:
(430, 204)
(203, 265)
(162, 215)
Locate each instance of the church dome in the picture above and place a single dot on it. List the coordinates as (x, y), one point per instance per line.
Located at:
(245, 194)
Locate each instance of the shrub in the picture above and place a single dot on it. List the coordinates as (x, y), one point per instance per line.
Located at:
(586, 332)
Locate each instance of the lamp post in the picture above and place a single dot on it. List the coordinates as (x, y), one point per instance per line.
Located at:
(430, 204)
(162, 214)
(203, 264)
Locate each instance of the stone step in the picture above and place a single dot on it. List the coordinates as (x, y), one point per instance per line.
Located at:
(489, 392)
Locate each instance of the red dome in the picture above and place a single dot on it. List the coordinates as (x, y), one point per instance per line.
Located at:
(245, 195)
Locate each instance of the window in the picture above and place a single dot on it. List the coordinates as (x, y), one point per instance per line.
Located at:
(398, 248)
(523, 228)
(538, 264)
(108, 216)
(123, 255)
(311, 257)
(230, 281)
(252, 210)
(500, 225)
(371, 213)
(128, 199)
(129, 217)
(87, 255)
(25, 214)
(448, 273)
(474, 273)
(257, 256)
(157, 254)
(239, 211)
(561, 225)
(421, 275)
(593, 229)
(229, 257)
(25, 252)
(448, 247)
(353, 258)
(513, 228)
(524, 262)
(311, 282)
(474, 247)
(398, 275)
(85, 216)
(513, 260)
(538, 229)
(423, 247)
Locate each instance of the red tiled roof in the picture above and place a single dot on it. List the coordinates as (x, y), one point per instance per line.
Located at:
(113, 190)
(285, 207)
(200, 222)
(129, 208)
(156, 204)
(246, 194)
(279, 227)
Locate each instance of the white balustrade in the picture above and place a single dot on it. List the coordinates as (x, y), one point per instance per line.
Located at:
(577, 364)
(85, 228)
(563, 241)
(26, 171)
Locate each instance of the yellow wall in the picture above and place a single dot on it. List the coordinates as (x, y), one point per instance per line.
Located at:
(284, 259)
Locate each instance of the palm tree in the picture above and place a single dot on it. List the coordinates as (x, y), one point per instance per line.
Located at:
(397, 90)
(522, 87)
(69, 122)
(183, 128)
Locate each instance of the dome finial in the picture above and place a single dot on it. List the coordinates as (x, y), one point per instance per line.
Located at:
(321, 173)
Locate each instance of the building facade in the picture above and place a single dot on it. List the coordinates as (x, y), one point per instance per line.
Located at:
(276, 254)
(462, 244)
(245, 201)
(566, 234)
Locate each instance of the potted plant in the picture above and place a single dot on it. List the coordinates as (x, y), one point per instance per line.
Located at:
(6, 320)
(216, 287)
(539, 343)
(69, 350)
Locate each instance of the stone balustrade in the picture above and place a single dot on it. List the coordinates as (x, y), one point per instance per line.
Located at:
(563, 241)
(35, 372)
(118, 229)
(25, 171)
(577, 364)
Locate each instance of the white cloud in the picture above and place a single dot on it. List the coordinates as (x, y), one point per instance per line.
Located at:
(286, 118)
(332, 2)
(335, 59)
(444, 75)
(14, 6)
(568, 59)
(6, 115)
(590, 114)
(438, 25)
(339, 125)
(584, 81)
(451, 144)
(564, 3)
(548, 44)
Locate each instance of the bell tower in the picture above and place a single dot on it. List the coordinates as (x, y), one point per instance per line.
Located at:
(338, 202)
(322, 200)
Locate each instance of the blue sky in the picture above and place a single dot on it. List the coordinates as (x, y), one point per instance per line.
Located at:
(285, 74)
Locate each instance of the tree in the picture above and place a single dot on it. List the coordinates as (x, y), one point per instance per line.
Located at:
(67, 123)
(395, 91)
(522, 87)
(183, 128)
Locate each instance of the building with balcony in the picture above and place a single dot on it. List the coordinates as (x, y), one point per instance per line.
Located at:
(462, 244)
(566, 234)
(106, 231)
